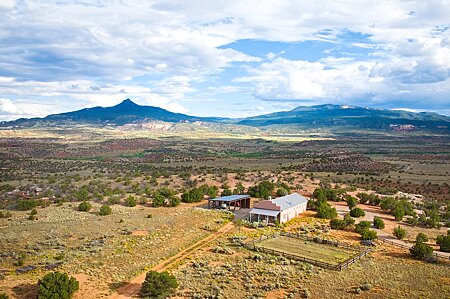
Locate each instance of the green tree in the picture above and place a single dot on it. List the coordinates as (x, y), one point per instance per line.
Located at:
(378, 222)
(158, 285)
(357, 212)
(324, 210)
(263, 190)
(158, 200)
(444, 242)
(420, 250)
(84, 206)
(362, 225)
(105, 210)
(421, 237)
(57, 285)
(131, 201)
(369, 234)
(351, 202)
(399, 233)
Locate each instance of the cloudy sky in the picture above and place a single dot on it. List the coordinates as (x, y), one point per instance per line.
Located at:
(223, 58)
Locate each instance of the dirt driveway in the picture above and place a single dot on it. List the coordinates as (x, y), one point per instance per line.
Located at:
(131, 289)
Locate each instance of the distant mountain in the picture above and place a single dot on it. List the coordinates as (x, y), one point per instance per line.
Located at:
(124, 113)
(331, 117)
(335, 116)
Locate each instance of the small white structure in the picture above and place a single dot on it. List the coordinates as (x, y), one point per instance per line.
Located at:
(281, 209)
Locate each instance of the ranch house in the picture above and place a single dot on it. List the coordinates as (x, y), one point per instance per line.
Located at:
(281, 209)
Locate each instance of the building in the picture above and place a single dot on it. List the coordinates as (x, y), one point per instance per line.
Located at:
(226, 202)
(281, 209)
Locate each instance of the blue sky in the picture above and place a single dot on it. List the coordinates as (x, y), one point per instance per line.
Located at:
(227, 58)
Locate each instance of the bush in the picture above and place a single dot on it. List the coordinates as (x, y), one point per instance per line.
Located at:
(158, 285)
(362, 226)
(369, 234)
(444, 242)
(349, 221)
(399, 233)
(105, 210)
(262, 190)
(378, 222)
(84, 206)
(421, 250)
(357, 212)
(3, 296)
(337, 224)
(24, 205)
(422, 238)
(192, 195)
(57, 285)
(351, 202)
(131, 201)
(324, 210)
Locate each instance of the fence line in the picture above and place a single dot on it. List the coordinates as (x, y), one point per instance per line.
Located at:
(435, 254)
(253, 246)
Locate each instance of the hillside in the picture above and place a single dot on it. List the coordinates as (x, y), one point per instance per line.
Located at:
(124, 113)
(334, 116)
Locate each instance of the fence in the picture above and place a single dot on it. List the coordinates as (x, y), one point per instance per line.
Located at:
(435, 254)
(252, 245)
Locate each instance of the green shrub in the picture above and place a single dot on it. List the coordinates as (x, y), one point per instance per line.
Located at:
(192, 195)
(362, 226)
(324, 210)
(57, 285)
(421, 250)
(378, 222)
(357, 212)
(84, 206)
(158, 285)
(105, 210)
(444, 242)
(369, 234)
(349, 221)
(131, 201)
(421, 237)
(33, 212)
(351, 202)
(399, 233)
(262, 190)
(337, 224)
(3, 296)
(26, 204)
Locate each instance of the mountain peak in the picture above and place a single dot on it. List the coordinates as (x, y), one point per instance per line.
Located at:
(127, 103)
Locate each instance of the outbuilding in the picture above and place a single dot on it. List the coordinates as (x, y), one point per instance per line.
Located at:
(281, 209)
(231, 201)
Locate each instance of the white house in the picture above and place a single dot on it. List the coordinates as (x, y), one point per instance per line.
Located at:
(281, 209)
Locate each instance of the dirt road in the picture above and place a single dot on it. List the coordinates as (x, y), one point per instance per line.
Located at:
(131, 289)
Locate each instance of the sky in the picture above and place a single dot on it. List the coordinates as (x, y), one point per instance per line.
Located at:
(223, 58)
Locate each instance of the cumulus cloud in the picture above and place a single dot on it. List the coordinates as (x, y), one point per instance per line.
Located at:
(165, 52)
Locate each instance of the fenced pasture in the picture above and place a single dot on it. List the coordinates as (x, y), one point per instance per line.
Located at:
(329, 255)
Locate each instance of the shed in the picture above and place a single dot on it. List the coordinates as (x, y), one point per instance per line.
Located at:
(226, 202)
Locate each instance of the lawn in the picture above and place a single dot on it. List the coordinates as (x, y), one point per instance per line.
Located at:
(319, 252)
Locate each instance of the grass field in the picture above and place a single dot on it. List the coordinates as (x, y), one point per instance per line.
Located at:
(315, 251)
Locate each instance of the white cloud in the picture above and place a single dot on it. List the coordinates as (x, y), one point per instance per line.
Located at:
(7, 106)
(99, 52)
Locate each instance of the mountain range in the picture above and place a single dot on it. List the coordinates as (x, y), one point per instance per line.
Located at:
(303, 117)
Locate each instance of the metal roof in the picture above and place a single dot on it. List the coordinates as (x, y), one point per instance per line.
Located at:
(264, 212)
(289, 201)
(231, 197)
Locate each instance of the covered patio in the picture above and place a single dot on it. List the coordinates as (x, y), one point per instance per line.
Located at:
(228, 202)
(264, 215)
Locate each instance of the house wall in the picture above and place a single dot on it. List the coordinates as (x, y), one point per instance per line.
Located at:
(292, 212)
